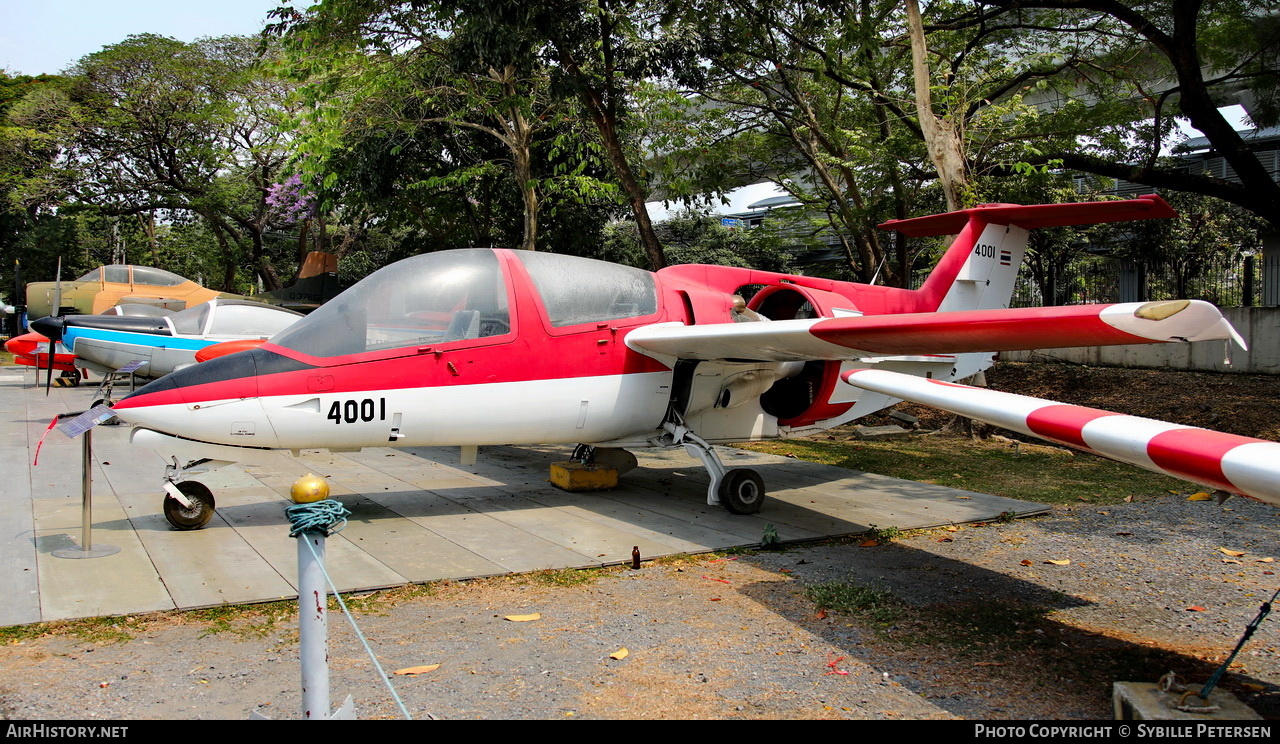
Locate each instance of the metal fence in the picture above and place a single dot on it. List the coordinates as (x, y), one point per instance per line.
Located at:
(1226, 281)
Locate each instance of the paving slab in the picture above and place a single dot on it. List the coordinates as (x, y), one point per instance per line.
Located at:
(418, 515)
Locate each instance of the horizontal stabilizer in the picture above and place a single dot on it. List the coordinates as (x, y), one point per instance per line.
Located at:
(1032, 216)
(957, 332)
(1242, 465)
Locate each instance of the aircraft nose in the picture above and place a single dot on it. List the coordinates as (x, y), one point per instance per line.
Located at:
(49, 327)
(216, 401)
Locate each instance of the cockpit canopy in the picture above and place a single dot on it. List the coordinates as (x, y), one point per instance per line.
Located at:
(458, 295)
(121, 274)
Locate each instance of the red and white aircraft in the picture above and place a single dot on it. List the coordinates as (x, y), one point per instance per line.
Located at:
(490, 347)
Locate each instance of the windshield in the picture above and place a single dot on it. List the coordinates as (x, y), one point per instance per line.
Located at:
(428, 299)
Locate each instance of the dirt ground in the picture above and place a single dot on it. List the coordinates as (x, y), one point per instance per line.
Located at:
(1033, 619)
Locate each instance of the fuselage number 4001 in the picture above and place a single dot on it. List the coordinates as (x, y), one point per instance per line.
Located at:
(351, 411)
(984, 250)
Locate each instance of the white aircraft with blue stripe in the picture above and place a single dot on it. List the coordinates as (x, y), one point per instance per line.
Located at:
(105, 343)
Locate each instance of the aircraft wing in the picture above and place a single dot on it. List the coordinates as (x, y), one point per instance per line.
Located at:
(861, 336)
(1229, 462)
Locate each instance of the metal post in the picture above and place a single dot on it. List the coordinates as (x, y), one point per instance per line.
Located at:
(1247, 291)
(86, 489)
(313, 626)
(87, 549)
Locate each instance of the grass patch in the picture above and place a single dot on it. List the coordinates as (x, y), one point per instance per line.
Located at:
(246, 621)
(994, 628)
(879, 606)
(991, 628)
(92, 630)
(1028, 473)
(564, 577)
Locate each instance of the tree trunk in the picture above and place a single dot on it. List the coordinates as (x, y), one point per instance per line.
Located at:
(941, 134)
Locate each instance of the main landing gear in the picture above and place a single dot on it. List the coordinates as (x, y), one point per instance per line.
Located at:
(740, 490)
(188, 505)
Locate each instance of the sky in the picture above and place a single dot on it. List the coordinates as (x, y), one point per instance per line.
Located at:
(47, 36)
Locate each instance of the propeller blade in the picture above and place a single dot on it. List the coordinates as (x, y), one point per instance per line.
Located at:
(57, 290)
(48, 380)
(52, 329)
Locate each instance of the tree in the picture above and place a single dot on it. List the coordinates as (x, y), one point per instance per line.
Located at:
(371, 75)
(830, 88)
(1149, 60)
(156, 127)
(596, 51)
(699, 237)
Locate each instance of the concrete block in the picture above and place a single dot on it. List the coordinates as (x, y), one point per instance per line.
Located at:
(576, 476)
(1145, 701)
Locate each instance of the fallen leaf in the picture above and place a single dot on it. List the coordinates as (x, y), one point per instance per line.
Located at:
(620, 654)
(524, 618)
(1105, 514)
(951, 528)
(414, 671)
(1128, 499)
(709, 578)
(1232, 553)
(1265, 560)
(965, 498)
(868, 544)
(1231, 560)
(945, 539)
(1063, 562)
(1196, 608)
(1202, 496)
(991, 663)
(1026, 562)
(1124, 534)
(714, 599)
(822, 615)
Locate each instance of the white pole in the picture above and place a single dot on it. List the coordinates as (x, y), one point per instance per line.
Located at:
(313, 597)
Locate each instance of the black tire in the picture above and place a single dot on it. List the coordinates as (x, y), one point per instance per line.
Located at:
(201, 510)
(742, 491)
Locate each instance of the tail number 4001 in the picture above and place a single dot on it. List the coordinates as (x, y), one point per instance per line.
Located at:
(351, 411)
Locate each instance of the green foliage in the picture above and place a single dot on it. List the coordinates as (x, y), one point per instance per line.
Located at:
(565, 577)
(884, 534)
(877, 605)
(169, 131)
(693, 237)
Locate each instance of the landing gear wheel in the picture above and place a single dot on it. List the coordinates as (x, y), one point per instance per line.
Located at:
(200, 512)
(742, 491)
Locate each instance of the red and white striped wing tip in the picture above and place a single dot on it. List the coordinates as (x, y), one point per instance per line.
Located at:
(1241, 465)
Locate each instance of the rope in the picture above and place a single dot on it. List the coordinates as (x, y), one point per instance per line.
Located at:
(321, 516)
(318, 516)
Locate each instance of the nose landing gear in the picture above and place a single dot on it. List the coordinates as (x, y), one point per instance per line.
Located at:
(188, 505)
